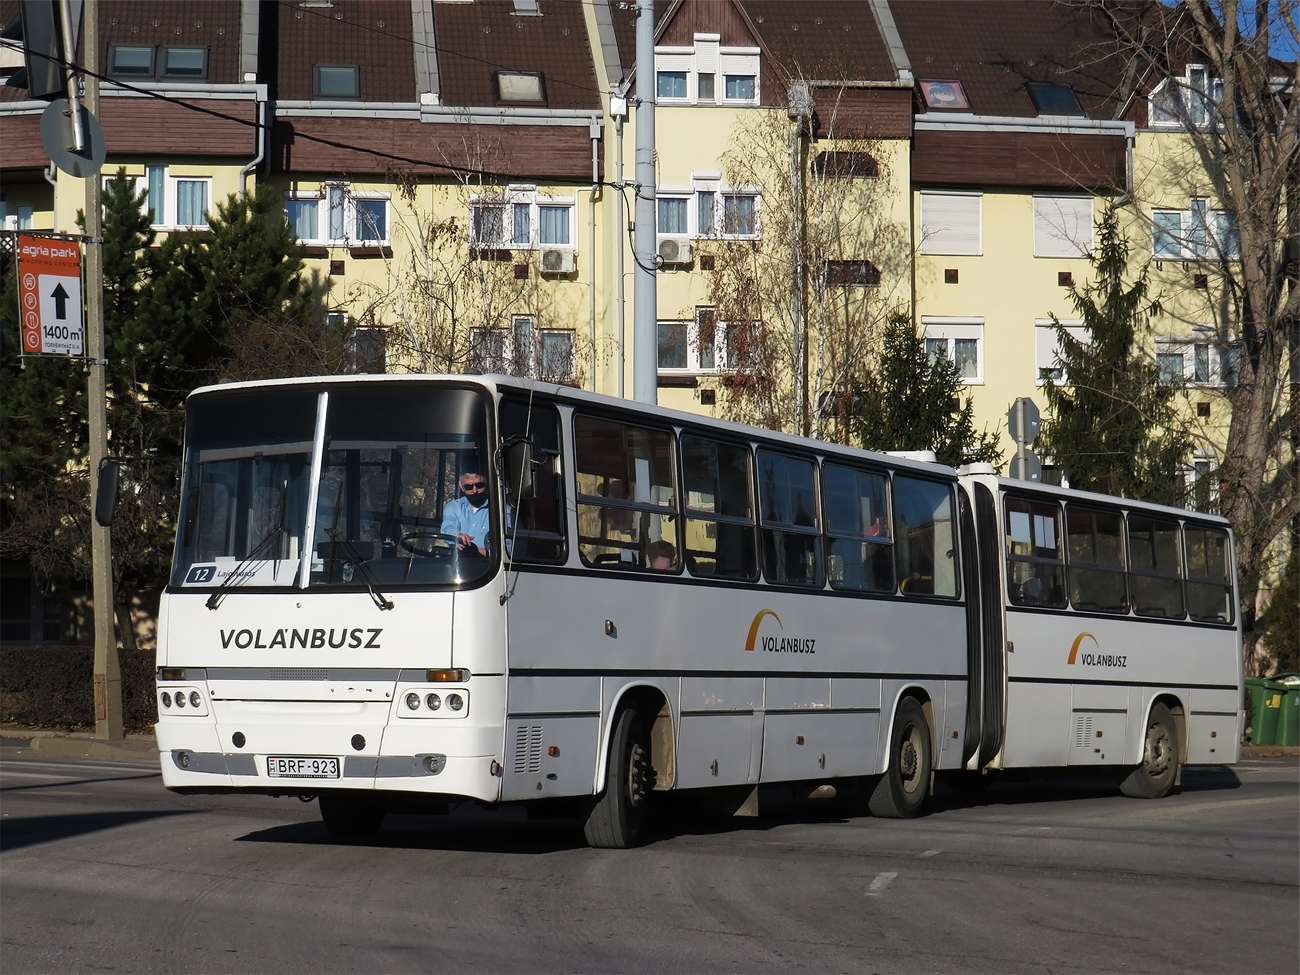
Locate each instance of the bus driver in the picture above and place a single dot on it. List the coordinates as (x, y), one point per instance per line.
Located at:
(467, 517)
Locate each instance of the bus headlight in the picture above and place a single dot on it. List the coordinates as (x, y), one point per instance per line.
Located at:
(455, 702)
(413, 701)
(432, 702)
(166, 699)
(195, 700)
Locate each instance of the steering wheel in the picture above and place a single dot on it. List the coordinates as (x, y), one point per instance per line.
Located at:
(407, 543)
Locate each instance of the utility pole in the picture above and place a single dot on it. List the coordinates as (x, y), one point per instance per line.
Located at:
(645, 324)
(108, 674)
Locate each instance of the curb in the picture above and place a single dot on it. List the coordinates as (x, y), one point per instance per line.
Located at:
(136, 749)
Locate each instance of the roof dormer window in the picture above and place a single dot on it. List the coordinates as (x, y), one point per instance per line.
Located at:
(337, 81)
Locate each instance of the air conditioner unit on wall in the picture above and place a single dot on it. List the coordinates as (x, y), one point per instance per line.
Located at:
(674, 250)
(556, 260)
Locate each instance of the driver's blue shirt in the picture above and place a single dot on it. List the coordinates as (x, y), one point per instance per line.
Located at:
(462, 517)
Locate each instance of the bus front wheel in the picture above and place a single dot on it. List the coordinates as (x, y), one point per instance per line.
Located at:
(350, 819)
(901, 791)
(1155, 776)
(616, 818)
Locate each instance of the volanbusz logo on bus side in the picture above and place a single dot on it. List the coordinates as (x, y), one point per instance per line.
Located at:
(777, 644)
(317, 638)
(1095, 659)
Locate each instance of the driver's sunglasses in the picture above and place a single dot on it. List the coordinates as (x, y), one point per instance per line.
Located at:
(474, 487)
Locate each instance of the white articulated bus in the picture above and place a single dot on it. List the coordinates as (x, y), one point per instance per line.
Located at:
(654, 601)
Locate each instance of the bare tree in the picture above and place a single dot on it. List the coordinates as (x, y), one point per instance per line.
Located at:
(1239, 119)
(802, 298)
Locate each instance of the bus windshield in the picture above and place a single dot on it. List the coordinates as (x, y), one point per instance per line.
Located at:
(389, 506)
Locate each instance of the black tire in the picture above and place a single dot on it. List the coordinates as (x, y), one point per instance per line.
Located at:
(902, 790)
(615, 819)
(350, 819)
(1159, 769)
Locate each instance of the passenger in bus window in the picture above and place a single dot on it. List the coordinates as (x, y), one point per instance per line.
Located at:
(468, 517)
(663, 556)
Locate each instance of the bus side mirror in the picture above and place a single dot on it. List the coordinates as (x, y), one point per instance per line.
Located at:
(106, 488)
(519, 471)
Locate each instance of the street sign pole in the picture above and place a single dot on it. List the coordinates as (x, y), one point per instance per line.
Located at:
(108, 675)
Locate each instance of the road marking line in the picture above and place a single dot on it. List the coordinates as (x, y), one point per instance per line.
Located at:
(929, 853)
(881, 882)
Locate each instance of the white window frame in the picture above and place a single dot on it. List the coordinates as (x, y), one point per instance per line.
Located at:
(1219, 227)
(707, 56)
(333, 194)
(950, 328)
(512, 349)
(167, 220)
(519, 196)
(1063, 225)
(1047, 348)
(1194, 94)
(945, 229)
(693, 365)
(1202, 341)
(703, 183)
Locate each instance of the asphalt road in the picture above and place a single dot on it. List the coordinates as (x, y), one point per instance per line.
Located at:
(101, 869)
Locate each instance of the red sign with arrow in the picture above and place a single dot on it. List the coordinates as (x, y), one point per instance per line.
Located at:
(49, 295)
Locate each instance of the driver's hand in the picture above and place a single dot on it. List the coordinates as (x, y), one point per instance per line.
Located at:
(464, 541)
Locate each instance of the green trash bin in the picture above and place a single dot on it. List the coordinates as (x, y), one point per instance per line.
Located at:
(1288, 718)
(1265, 708)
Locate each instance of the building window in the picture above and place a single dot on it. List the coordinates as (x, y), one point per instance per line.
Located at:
(1062, 225)
(337, 215)
(1188, 100)
(1054, 98)
(695, 346)
(672, 215)
(185, 62)
(131, 60)
(838, 164)
(739, 215)
(1196, 233)
(960, 340)
(851, 274)
(528, 87)
(367, 350)
(1198, 361)
(950, 223)
(1047, 348)
(522, 220)
(522, 350)
(144, 61)
(689, 75)
(337, 81)
(940, 95)
(176, 201)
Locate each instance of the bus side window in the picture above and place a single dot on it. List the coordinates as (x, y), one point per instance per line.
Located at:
(1155, 567)
(627, 499)
(1095, 541)
(858, 529)
(1035, 566)
(720, 533)
(792, 540)
(1209, 576)
(538, 531)
(924, 540)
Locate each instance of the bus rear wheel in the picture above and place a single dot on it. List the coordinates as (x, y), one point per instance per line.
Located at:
(1155, 776)
(615, 819)
(350, 819)
(901, 791)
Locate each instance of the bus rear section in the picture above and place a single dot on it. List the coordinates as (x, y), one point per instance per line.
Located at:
(1109, 635)
(326, 630)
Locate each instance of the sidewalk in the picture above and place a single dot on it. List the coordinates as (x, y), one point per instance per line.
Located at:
(140, 749)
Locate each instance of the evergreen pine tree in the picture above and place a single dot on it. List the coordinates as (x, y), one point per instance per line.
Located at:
(1112, 422)
(909, 400)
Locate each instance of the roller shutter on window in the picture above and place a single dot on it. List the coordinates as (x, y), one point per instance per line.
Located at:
(950, 223)
(1063, 226)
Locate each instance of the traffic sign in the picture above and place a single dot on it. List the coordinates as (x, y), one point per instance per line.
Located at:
(49, 295)
(1023, 407)
(1030, 469)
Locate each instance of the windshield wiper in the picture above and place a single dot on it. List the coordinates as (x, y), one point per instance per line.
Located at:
(372, 584)
(271, 536)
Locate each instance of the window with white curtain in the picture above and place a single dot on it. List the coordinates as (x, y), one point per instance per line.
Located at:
(522, 219)
(950, 222)
(960, 340)
(1196, 233)
(706, 73)
(176, 201)
(1062, 225)
(338, 215)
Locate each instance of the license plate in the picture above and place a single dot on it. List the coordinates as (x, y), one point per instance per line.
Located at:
(286, 767)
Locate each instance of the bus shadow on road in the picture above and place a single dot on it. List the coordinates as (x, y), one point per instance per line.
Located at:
(1028, 786)
(33, 830)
